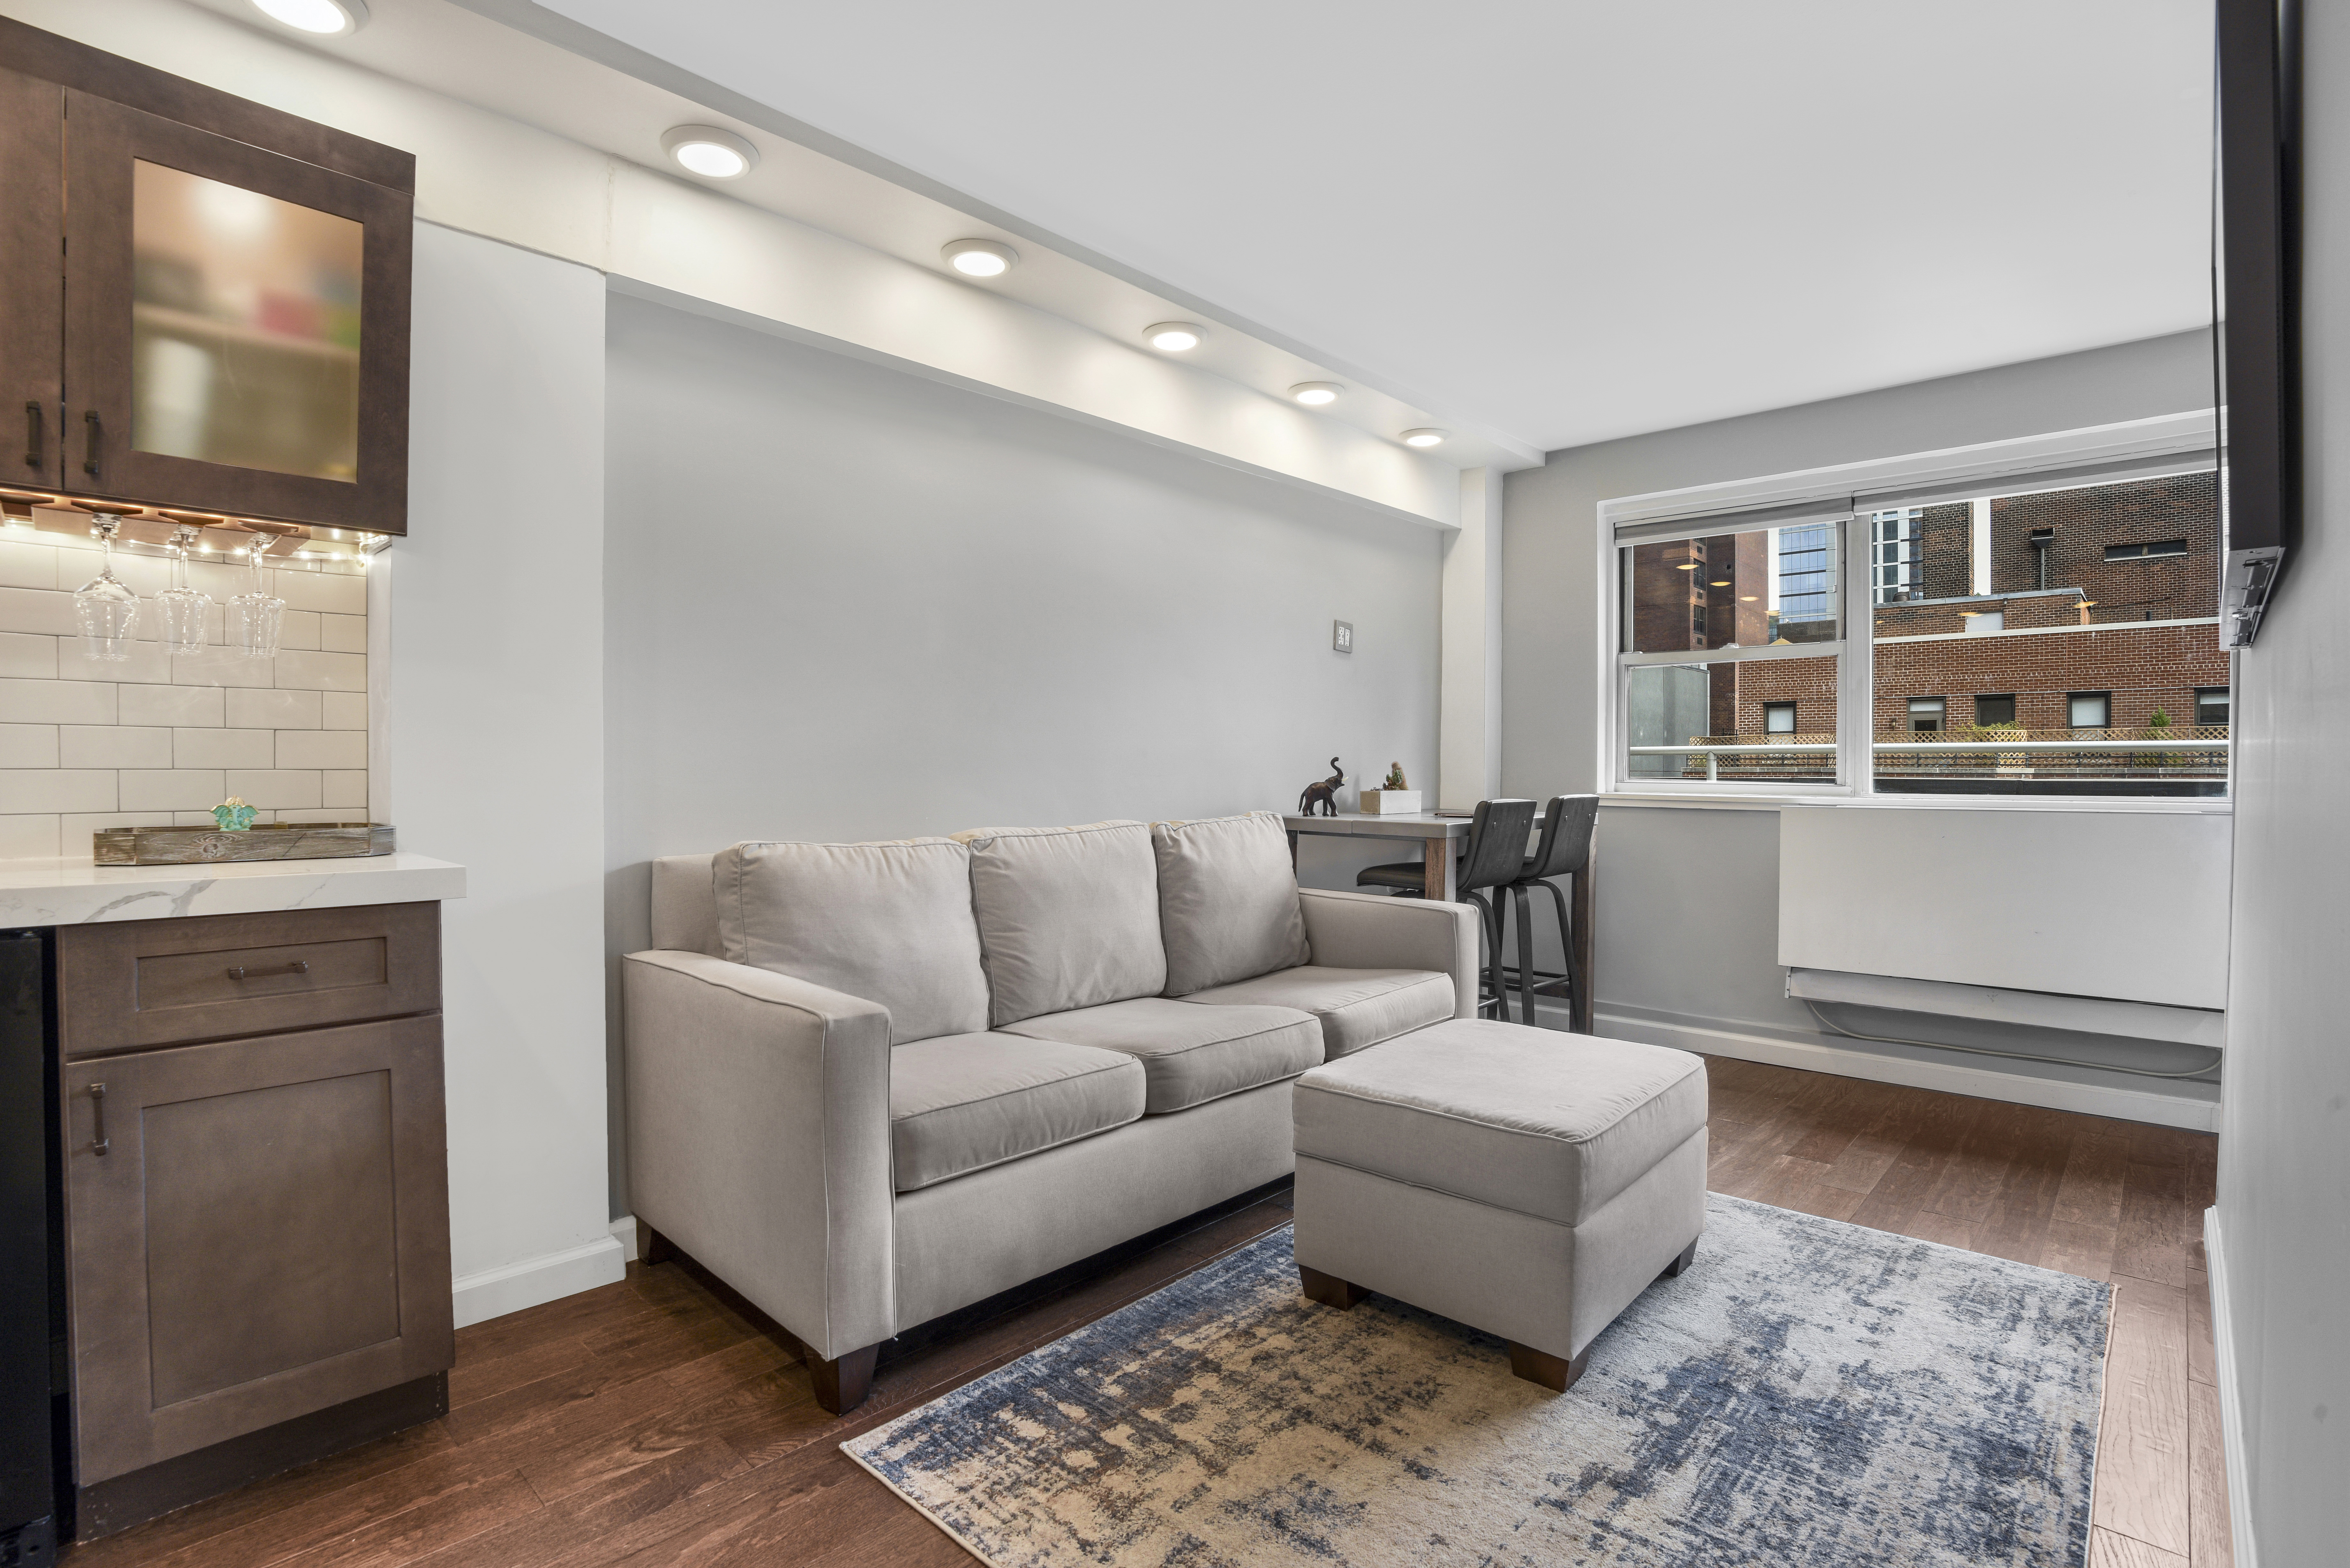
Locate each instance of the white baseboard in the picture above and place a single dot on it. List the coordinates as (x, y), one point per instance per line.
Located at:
(1823, 1055)
(2231, 1409)
(494, 1293)
(624, 1232)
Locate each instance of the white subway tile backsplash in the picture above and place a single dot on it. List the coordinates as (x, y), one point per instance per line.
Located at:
(322, 748)
(195, 707)
(28, 745)
(28, 657)
(113, 746)
(145, 662)
(25, 566)
(273, 710)
(332, 592)
(223, 748)
(277, 788)
(219, 667)
(56, 703)
(298, 670)
(173, 789)
(57, 789)
(151, 739)
(37, 610)
(25, 837)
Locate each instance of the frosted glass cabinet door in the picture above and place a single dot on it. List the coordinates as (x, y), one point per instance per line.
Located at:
(32, 231)
(235, 326)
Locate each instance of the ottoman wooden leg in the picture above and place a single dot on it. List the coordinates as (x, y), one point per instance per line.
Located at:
(1328, 1288)
(1553, 1372)
(1673, 1269)
(653, 1247)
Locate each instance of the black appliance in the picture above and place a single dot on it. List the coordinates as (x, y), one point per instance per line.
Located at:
(34, 1494)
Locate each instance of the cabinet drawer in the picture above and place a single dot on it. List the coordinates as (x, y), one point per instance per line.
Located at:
(136, 983)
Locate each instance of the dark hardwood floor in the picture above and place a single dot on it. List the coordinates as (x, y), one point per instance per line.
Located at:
(656, 1422)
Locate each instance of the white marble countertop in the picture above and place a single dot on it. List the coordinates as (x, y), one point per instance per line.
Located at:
(66, 892)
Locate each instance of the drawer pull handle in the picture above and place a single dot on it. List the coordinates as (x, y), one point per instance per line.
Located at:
(98, 1119)
(299, 966)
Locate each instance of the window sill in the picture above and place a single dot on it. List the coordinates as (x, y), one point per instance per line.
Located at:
(2187, 805)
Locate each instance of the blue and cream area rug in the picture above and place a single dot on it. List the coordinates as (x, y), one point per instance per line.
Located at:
(1809, 1395)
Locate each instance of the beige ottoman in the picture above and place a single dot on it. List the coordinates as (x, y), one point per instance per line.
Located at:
(1523, 1181)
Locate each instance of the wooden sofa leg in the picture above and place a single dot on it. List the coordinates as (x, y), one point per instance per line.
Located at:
(841, 1386)
(1553, 1372)
(1673, 1269)
(1328, 1288)
(653, 1247)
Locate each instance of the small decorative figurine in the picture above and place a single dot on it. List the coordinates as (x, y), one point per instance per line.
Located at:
(1324, 794)
(1395, 777)
(232, 815)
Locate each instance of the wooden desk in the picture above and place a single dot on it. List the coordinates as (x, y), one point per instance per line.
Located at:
(1440, 840)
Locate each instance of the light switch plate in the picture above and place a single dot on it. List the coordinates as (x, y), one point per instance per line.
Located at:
(1342, 636)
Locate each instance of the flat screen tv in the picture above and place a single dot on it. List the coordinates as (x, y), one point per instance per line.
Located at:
(2254, 203)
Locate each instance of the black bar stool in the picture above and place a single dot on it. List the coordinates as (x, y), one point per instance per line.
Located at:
(1564, 850)
(1496, 853)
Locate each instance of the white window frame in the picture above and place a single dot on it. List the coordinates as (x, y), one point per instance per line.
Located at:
(1847, 494)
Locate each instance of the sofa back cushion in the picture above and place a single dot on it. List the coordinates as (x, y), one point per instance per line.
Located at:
(888, 922)
(1069, 916)
(1227, 900)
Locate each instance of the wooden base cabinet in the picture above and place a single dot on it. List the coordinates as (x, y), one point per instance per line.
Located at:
(257, 1228)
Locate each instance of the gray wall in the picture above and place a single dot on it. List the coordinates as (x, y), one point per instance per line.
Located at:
(2284, 1138)
(843, 603)
(1688, 914)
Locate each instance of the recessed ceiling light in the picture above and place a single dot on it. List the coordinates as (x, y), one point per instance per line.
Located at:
(1423, 438)
(707, 150)
(981, 258)
(1317, 394)
(1175, 337)
(327, 18)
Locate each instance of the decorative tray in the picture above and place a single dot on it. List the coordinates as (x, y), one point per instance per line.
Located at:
(262, 841)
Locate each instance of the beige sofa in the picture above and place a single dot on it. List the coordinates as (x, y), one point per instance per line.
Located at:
(870, 1083)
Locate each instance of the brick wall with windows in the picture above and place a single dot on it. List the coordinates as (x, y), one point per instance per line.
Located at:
(2084, 523)
(2145, 669)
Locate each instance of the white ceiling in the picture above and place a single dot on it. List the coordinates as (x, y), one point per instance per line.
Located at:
(1562, 221)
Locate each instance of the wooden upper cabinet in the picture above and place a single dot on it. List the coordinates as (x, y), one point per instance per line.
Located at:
(32, 293)
(207, 299)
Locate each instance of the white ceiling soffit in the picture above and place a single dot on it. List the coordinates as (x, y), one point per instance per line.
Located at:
(1560, 221)
(532, 65)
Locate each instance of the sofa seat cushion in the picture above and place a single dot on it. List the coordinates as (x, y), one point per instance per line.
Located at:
(1069, 916)
(1356, 1007)
(961, 1103)
(1535, 1120)
(1191, 1054)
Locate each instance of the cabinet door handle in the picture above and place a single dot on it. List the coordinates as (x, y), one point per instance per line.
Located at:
(98, 1119)
(94, 429)
(299, 966)
(33, 435)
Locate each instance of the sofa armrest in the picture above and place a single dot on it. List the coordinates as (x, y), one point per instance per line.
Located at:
(1371, 930)
(758, 1115)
